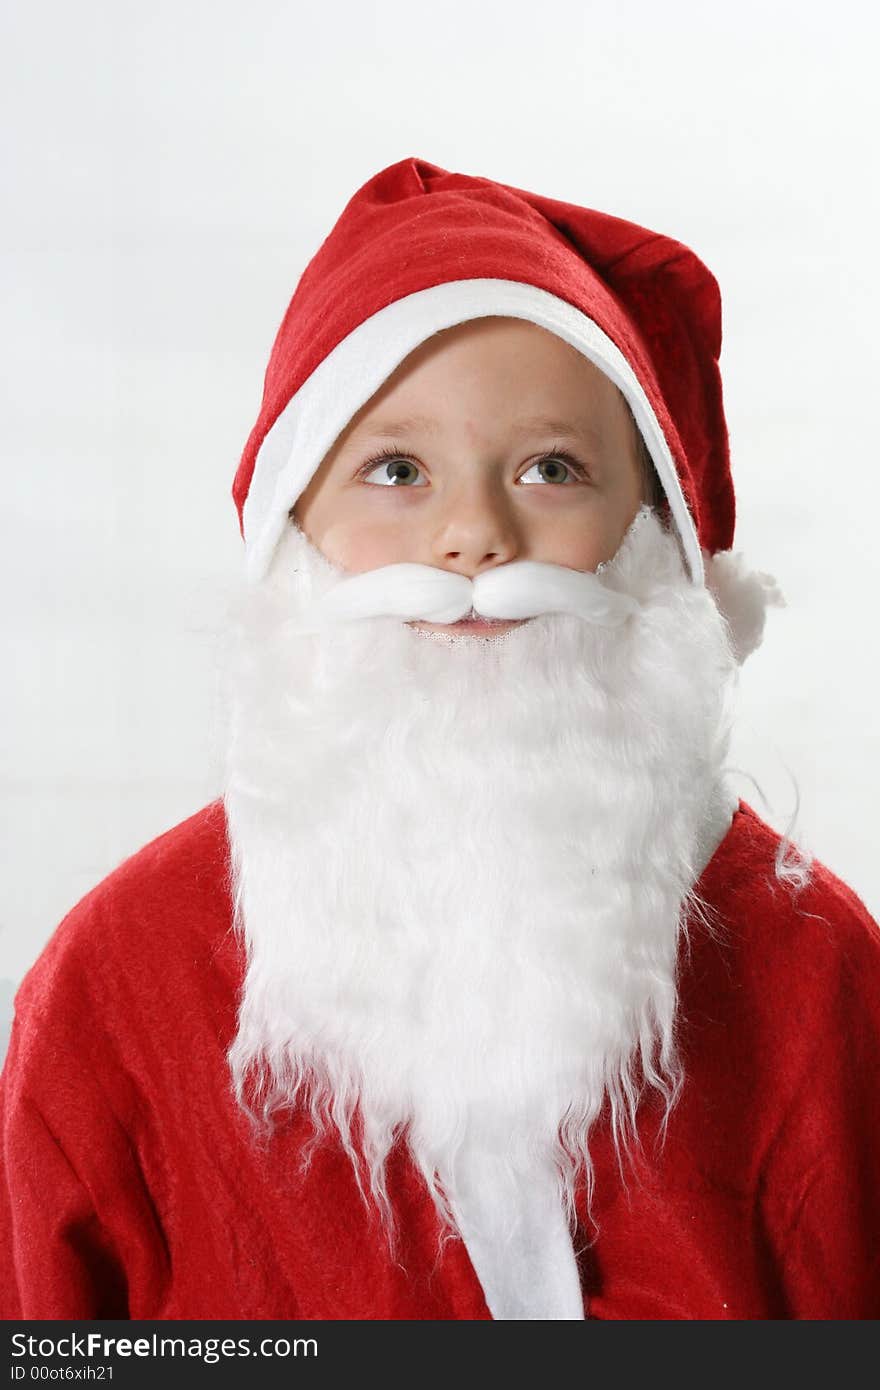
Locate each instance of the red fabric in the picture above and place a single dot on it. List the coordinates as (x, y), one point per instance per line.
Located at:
(414, 225)
(132, 1188)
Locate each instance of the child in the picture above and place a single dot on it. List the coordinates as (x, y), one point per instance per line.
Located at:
(525, 1014)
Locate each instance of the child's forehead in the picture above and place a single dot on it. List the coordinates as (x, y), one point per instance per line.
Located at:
(387, 425)
(493, 336)
(530, 380)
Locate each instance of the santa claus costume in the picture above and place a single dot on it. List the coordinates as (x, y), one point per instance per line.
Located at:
(478, 993)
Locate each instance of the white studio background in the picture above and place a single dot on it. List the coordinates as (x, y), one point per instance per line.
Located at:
(170, 168)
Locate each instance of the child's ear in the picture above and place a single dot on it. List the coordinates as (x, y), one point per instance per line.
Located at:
(743, 597)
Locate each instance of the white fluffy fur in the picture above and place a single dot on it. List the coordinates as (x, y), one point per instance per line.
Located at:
(462, 868)
(743, 597)
(521, 589)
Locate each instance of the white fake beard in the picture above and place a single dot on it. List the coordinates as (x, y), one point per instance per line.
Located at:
(463, 868)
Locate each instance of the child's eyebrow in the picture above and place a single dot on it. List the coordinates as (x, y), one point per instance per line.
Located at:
(403, 425)
(534, 424)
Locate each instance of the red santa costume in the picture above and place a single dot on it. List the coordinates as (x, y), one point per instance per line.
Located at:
(478, 994)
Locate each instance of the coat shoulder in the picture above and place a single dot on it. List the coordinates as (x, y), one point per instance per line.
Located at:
(755, 862)
(794, 919)
(170, 898)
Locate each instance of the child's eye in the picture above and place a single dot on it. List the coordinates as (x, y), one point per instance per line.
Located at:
(392, 470)
(554, 468)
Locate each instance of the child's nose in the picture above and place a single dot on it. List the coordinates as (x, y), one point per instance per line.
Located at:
(477, 530)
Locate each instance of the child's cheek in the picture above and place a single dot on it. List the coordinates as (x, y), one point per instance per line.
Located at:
(368, 542)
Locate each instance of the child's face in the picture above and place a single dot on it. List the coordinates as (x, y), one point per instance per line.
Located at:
(504, 443)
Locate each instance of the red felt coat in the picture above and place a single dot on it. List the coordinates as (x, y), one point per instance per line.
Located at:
(131, 1187)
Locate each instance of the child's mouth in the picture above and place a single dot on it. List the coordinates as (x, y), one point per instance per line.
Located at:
(471, 625)
(476, 624)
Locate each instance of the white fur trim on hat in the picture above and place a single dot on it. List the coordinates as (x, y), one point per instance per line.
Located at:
(355, 369)
(742, 596)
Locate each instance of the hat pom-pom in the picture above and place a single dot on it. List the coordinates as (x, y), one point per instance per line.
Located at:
(742, 597)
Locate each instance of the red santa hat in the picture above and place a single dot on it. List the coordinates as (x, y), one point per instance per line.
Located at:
(418, 249)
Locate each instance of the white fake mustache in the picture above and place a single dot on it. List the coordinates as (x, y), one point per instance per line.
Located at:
(521, 589)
